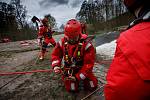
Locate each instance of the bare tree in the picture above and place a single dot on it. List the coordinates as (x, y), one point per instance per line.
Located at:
(51, 20)
(7, 19)
(20, 11)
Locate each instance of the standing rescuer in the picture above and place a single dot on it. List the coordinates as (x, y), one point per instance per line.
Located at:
(76, 56)
(129, 75)
(46, 33)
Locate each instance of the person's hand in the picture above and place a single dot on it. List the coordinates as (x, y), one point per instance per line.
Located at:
(57, 70)
(39, 41)
(73, 78)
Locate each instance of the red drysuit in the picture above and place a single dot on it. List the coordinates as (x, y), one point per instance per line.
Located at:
(77, 60)
(45, 32)
(129, 75)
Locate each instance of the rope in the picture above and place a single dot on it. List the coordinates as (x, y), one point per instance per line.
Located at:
(17, 75)
(92, 92)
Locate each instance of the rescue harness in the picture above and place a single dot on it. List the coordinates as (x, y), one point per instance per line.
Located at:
(73, 64)
(48, 33)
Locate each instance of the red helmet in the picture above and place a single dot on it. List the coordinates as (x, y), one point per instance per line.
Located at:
(132, 5)
(72, 29)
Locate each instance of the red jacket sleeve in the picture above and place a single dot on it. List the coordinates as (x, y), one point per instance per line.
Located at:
(123, 81)
(115, 77)
(57, 55)
(89, 59)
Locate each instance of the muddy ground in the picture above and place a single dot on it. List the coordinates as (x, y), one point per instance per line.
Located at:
(40, 86)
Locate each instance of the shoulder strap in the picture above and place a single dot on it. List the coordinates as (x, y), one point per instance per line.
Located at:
(144, 18)
(67, 59)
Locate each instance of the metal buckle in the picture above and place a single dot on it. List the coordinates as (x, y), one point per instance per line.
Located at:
(70, 72)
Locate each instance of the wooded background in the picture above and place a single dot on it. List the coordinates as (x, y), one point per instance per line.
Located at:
(97, 14)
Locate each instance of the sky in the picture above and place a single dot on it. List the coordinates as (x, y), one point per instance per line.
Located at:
(62, 10)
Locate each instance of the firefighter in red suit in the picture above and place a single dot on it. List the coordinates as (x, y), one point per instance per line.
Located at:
(129, 75)
(74, 56)
(46, 33)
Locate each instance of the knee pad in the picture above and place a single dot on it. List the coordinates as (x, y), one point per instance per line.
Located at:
(90, 84)
(71, 86)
